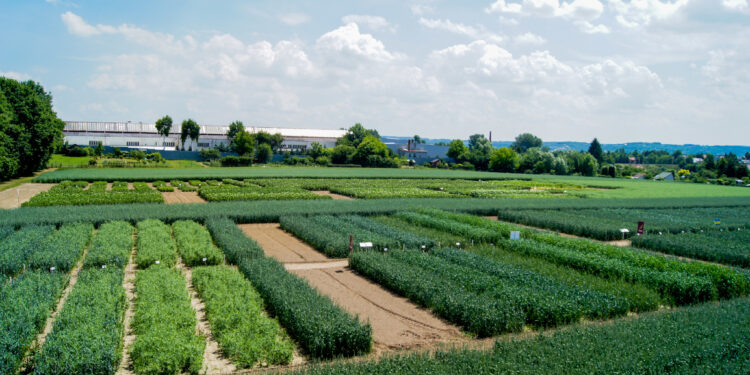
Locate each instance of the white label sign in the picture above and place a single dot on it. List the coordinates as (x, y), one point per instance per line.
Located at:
(515, 235)
(365, 244)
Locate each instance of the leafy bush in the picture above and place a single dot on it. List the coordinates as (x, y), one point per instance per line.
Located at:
(235, 311)
(164, 324)
(155, 244)
(195, 245)
(236, 161)
(111, 246)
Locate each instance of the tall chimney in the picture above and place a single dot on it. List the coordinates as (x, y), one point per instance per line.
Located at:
(490, 136)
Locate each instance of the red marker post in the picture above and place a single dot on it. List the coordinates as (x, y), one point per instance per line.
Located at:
(640, 227)
(351, 243)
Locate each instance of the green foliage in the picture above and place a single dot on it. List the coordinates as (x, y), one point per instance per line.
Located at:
(503, 160)
(342, 154)
(526, 141)
(19, 246)
(63, 248)
(162, 186)
(595, 149)
(87, 335)
(707, 339)
(321, 328)
(24, 305)
(243, 143)
(182, 185)
(111, 246)
(164, 325)
(273, 141)
(234, 128)
(247, 192)
(264, 153)
(209, 154)
(724, 247)
(190, 129)
(238, 322)
(195, 245)
(163, 125)
(70, 193)
(155, 244)
(356, 135)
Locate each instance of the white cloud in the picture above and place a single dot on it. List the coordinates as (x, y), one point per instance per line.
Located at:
(736, 5)
(636, 13)
(478, 32)
(16, 75)
(580, 12)
(347, 39)
(371, 22)
(77, 26)
(529, 38)
(294, 19)
(421, 9)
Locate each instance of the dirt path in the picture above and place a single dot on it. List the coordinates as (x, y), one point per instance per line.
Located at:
(182, 197)
(316, 265)
(213, 361)
(14, 197)
(281, 245)
(332, 195)
(128, 283)
(396, 322)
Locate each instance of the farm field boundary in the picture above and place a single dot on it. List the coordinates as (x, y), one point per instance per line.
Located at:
(270, 211)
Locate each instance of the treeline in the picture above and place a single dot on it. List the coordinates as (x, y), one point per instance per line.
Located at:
(29, 128)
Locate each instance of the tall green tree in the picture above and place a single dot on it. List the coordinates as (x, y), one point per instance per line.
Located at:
(189, 129)
(595, 149)
(356, 135)
(31, 130)
(273, 140)
(264, 153)
(418, 140)
(526, 141)
(480, 149)
(234, 128)
(504, 159)
(244, 143)
(163, 126)
(456, 149)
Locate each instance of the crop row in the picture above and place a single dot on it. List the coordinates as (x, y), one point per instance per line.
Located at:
(270, 211)
(724, 247)
(162, 186)
(321, 328)
(16, 249)
(195, 245)
(232, 192)
(72, 194)
(60, 250)
(182, 185)
(111, 246)
(706, 339)
(330, 234)
(25, 304)
(235, 311)
(155, 244)
(164, 324)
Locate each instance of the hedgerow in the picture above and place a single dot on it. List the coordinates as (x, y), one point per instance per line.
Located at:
(18, 247)
(155, 244)
(235, 311)
(111, 246)
(164, 324)
(63, 248)
(87, 335)
(194, 244)
(25, 304)
(320, 327)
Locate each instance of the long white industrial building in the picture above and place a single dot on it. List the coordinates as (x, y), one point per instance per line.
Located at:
(144, 135)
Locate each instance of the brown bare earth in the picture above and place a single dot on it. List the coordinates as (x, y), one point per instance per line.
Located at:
(332, 195)
(281, 245)
(396, 322)
(14, 197)
(182, 197)
(128, 283)
(213, 361)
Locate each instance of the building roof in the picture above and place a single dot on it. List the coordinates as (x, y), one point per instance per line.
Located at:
(663, 175)
(150, 128)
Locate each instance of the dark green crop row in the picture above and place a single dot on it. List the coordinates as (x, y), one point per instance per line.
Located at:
(111, 246)
(724, 247)
(238, 322)
(5, 232)
(25, 304)
(18, 247)
(321, 328)
(195, 245)
(155, 244)
(164, 324)
(270, 211)
(72, 194)
(234, 192)
(706, 339)
(182, 185)
(87, 335)
(60, 250)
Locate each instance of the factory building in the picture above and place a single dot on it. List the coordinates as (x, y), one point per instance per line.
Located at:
(144, 135)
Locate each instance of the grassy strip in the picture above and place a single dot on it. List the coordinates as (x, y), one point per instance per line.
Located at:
(87, 335)
(270, 211)
(25, 304)
(111, 246)
(195, 245)
(62, 248)
(164, 324)
(238, 322)
(321, 328)
(707, 339)
(18, 247)
(155, 244)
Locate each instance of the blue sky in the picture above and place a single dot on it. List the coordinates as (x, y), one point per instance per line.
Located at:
(673, 71)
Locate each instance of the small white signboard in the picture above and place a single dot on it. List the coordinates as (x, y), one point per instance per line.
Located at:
(515, 235)
(365, 245)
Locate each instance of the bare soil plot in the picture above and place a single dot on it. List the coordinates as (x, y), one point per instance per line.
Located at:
(281, 245)
(396, 322)
(332, 195)
(14, 197)
(182, 197)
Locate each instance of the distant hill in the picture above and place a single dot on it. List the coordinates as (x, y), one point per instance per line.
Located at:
(630, 146)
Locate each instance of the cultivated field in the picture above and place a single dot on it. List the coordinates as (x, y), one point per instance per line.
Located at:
(406, 275)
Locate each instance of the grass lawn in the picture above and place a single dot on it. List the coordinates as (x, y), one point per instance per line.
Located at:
(62, 161)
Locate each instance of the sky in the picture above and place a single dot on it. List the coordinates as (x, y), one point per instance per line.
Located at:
(670, 71)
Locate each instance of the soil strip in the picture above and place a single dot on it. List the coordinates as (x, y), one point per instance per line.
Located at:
(172, 197)
(15, 197)
(281, 245)
(316, 265)
(128, 283)
(332, 195)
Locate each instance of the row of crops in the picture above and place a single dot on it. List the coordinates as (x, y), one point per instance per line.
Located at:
(77, 193)
(693, 233)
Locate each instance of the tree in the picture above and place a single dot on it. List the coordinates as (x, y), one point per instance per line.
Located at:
(747, 156)
(190, 129)
(29, 129)
(456, 148)
(264, 153)
(480, 149)
(504, 159)
(526, 141)
(356, 135)
(370, 146)
(163, 125)
(244, 143)
(234, 128)
(316, 150)
(99, 149)
(709, 162)
(595, 149)
(418, 140)
(342, 154)
(273, 140)
(209, 154)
